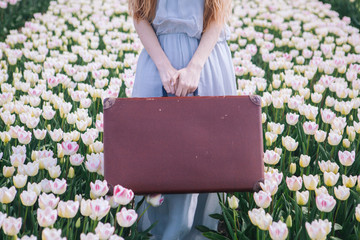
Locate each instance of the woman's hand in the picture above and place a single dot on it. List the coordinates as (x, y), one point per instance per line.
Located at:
(188, 80)
(168, 75)
(189, 77)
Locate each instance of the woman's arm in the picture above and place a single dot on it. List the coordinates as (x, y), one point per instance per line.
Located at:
(168, 73)
(189, 77)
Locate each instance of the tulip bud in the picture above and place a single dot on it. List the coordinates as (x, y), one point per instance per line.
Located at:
(60, 153)
(155, 200)
(71, 172)
(289, 221)
(263, 117)
(346, 143)
(78, 223)
(292, 168)
(48, 127)
(302, 197)
(304, 160)
(33, 155)
(357, 212)
(357, 188)
(233, 202)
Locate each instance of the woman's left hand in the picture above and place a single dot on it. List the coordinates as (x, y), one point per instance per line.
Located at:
(188, 80)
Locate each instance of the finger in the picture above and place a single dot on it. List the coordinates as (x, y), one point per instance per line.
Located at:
(173, 82)
(178, 90)
(167, 87)
(184, 92)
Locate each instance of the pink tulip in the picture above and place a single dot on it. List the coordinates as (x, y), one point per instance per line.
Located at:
(292, 118)
(275, 176)
(28, 198)
(294, 183)
(269, 186)
(99, 125)
(14, 131)
(11, 226)
(104, 231)
(310, 127)
(48, 200)
(122, 195)
(53, 81)
(7, 195)
(3, 4)
(93, 162)
(155, 200)
(52, 234)
(99, 188)
(126, 218)
(278, 230)
(346, 158)
(271, 157)
(327, 115)
(99, 208)
(58, 186)
(262, 199)
(76, 159)
(318, 229)
(69, 147)
(325, 202)
(68, 209)
(17, 159)
(46, 217)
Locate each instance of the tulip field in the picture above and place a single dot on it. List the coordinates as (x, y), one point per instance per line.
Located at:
(56, 71)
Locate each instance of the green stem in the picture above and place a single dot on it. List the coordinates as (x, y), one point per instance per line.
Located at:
(332, 151)
(235, 225)
(85, 221)
(24, 223)
(121, 231)
(143, 212)
(334, 219)
(307, 148)
(67, 227)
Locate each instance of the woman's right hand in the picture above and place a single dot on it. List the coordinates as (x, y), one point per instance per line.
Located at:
(169, 76)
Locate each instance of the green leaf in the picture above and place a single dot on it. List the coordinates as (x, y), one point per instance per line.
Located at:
(203, 228)
(217, 216)
(215, 236)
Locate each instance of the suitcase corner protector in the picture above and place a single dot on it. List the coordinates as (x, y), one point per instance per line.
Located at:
(256, 99)
(109, 102)
(257, 187)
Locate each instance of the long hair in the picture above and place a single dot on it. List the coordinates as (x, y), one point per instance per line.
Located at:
(214, 10)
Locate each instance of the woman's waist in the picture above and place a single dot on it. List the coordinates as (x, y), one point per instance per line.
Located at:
(188, 36)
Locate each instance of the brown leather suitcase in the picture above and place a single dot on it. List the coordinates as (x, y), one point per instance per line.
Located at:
(184, 144)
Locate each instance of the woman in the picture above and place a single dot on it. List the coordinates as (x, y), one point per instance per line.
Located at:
(185, 49)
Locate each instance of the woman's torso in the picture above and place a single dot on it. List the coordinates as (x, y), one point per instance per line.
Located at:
(182, 16)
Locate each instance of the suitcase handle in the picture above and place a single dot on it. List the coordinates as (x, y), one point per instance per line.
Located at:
(165, 94)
